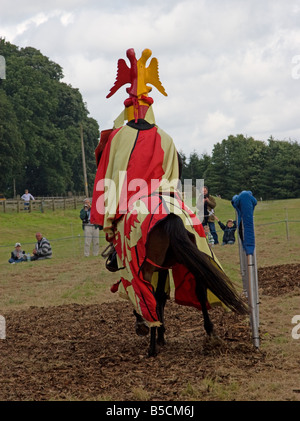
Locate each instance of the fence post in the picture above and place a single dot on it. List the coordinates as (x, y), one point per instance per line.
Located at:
(18, 206)
(287, 224)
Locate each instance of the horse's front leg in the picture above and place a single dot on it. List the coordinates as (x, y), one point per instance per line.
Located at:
(152, 351)
(161, 298)
(141, 327)
(161, 335)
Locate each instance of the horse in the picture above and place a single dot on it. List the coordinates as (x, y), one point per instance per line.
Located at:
(168, 243)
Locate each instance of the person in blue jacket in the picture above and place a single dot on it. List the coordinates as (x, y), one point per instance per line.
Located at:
(229, 231)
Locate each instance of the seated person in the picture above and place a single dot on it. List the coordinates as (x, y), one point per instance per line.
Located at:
(229, 231)
(42, 248)
(17, 255)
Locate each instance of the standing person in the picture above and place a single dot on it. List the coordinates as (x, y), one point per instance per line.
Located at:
(209, 204)
(17, 255)
(229, 231)
(42, 248)
(27, 197)
(91, 231)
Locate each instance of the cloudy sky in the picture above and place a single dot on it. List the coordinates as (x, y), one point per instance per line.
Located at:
(228, 66)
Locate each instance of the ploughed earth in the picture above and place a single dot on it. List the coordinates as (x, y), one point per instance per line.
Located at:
(91, 352)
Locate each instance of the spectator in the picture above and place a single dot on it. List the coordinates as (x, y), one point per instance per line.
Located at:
(209, 237)
(17, 255)
(229, 231)
(209, 204)
(91, 232)
(27, 197)
(42, 248)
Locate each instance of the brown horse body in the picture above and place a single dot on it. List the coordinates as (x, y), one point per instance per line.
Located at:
(167, 244)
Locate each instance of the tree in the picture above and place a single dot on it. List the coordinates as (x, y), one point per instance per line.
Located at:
(42, 116)
(280, 176)
(11, 146)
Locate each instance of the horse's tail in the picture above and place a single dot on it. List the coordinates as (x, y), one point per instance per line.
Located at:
(202, 266)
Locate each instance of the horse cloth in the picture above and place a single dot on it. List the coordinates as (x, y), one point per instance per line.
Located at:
(134, 189)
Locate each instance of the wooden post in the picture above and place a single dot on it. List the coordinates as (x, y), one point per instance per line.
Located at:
(14, 188)
(83, 163)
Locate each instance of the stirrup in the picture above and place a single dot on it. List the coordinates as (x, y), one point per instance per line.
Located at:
(108, 251)
(112, 262)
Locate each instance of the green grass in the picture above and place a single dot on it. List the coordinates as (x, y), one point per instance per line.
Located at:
(62, 228)
(69, 277)
(22, 227)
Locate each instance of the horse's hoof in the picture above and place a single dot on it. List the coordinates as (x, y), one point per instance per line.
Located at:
(161, 341)
(215, 339)
(152, 353)
(141, 329)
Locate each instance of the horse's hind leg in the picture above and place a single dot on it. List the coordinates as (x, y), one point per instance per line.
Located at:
(152, 351)
(161, 298)
(202, 297)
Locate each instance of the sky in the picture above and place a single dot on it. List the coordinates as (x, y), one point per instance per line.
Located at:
(228, 66)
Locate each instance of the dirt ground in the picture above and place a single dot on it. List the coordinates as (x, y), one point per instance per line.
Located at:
(91, 352)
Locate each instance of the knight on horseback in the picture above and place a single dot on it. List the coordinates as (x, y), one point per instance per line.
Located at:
(137, 203)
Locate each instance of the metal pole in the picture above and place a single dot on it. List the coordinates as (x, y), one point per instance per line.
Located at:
(287, 224)
(252, 300)
(256, 287)
(250, 285)
(83, 163)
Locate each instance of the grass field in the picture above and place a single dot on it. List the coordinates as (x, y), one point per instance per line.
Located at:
(43, 300)
(69, 277)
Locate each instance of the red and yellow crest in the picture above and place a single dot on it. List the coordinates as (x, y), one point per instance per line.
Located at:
(138, 75)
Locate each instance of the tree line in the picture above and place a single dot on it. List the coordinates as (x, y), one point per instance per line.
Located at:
(271, 170)
(40, 136)
(40, 140)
